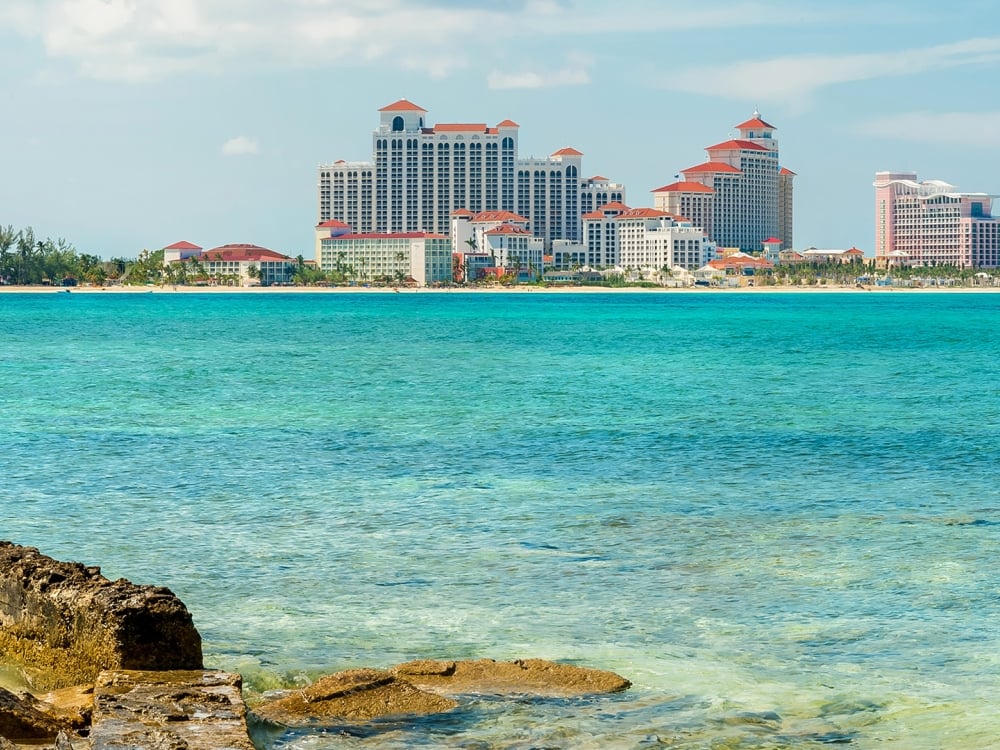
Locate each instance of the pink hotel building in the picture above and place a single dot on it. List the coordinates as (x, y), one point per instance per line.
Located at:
(931, 223)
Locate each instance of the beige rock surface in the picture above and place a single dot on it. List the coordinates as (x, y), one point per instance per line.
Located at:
(518, 677)
(353, 696)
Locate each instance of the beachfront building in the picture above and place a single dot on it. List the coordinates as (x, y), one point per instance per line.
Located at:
(502, 236)
(931, 223)
(421, 173)
(744, 196)
(599, 191)
(238, 264)
(816, 255)
(180, 251)
(419, 258)
(600, 238)
(652, 241)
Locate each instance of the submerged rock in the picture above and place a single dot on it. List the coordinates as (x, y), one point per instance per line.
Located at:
(174, 710)
(62, 623)
(352, 696)
(518, 677)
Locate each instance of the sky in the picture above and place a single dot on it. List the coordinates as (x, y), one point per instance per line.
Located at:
(132, 124)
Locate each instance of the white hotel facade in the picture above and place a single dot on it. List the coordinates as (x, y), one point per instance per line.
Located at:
(420, 174)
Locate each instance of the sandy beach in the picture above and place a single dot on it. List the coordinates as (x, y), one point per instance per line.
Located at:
(524, 289)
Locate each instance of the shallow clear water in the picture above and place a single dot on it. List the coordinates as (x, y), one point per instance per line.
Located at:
(777, 514)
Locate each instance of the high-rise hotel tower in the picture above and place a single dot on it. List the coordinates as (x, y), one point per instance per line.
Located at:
(740, 195)
(420, 174)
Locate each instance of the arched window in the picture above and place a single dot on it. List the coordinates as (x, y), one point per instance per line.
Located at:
(397, 124)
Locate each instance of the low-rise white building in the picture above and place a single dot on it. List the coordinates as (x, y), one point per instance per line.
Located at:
(401, 257)
(649, 239)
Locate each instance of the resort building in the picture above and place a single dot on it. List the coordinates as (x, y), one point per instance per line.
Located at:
(740, 195)
(652, 240)
(600, 238)
(235, 265)
(420, 174)
(502, 235)
(931, 223)
(419, 258)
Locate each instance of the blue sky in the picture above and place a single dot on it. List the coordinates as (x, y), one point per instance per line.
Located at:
(131, 124)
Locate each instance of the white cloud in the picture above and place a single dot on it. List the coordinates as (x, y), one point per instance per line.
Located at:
(793, 79)
(572, 75)
(976, 129)
(142, 40)
(240, 145)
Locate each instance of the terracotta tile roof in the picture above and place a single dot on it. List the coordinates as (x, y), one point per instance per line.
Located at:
(568, 152)
(182, 245)
(771, 241)
(613, 206)
(594, 215)
(509, 229)
(462, 212)
(508, 124)
(684, 187)
(484, 216)
(333, 223)
(712, 166)
(735, 144)
(754, 123)
(240, 252)
(459, 127)
(786, 171)
(643, 213)
(403, 105)
(598, 178)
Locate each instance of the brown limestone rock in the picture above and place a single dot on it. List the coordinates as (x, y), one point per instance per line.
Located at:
(174, 710)
(518, 677)
(62, 623)
(353, 696)
(73, 705)
(21, 720)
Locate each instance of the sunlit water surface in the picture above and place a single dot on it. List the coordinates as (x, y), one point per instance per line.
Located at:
(776, 514)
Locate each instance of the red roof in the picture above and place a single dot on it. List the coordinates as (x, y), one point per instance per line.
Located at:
(594, 215)
(403, 105)
(497, 216)
(333, 223)
(786, 171)
(182, 245)
(642, 213)
(854, 251)
(460, 127)
(241, 252)
(508, 124)
(509, 229)
(712, 166)
(613, 206)
(598, 178)
(462, 212)
(755, 123)
(684, 187)
(771, 241)
(568, 152)
(736, 143)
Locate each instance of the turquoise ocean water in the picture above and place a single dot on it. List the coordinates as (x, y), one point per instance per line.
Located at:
(777, 514)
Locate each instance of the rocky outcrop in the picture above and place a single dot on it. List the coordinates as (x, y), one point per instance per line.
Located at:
(352, 696)
(62, 623)
(425, 687)
(20, 719)
(519, 677)
(174, 710)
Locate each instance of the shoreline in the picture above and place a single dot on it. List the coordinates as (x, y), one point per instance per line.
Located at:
(778, 289)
